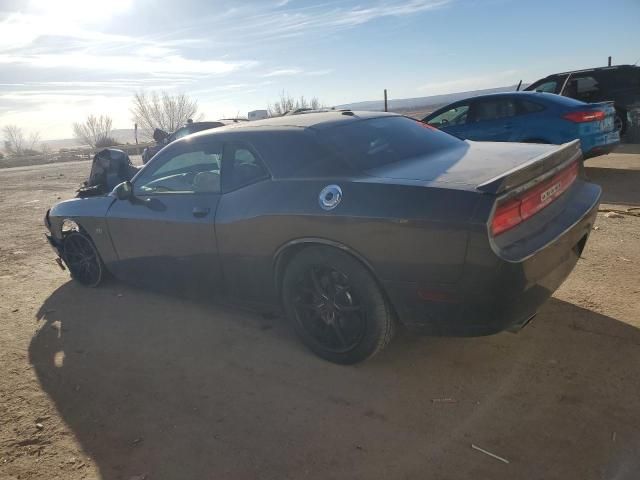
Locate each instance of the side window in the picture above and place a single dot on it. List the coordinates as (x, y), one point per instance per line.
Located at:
(188, 169)
(242, 167)
(525, 106)
(453, 116)
(584, 88)
(178, 134)
(494, 109)
(548, 87)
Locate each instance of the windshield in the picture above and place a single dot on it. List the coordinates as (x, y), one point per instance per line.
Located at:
(372, 143)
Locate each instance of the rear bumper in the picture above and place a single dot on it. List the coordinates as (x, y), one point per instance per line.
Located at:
(601, 150)
(600, 144)
(504, 294)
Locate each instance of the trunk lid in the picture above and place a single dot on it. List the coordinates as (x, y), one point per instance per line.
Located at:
(488, 167)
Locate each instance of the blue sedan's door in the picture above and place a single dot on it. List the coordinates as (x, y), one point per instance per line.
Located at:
(493, 119)
(164, 236)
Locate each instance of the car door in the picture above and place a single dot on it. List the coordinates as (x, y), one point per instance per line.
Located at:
(452, 120)
(492, 119)
(164, 236)
(242, 226)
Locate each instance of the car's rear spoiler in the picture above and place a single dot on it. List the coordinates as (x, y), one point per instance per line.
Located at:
(542, 165)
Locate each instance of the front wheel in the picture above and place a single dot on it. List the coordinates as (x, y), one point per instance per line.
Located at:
(336, 306)
(82, 259)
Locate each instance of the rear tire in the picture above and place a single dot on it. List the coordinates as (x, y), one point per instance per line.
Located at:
(620, 121)
(335, 305)
(82, 259)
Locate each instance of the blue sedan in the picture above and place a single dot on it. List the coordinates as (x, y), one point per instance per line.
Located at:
(530, 117)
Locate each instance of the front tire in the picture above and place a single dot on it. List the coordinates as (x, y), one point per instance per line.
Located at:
(82, 259)
(335, 305)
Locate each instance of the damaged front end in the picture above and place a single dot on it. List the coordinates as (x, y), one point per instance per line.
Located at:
(110, 167)
(86, 212)
(55, 243)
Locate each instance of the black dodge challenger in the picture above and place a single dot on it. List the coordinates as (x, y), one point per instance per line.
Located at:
(352, 222)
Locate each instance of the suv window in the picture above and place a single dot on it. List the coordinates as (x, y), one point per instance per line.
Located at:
(583, 88)
(242, 167)
(494, 109)
(187, 169)
(454, 116)
(550, 86)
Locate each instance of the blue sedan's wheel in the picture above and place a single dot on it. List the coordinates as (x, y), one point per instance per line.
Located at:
(82, 259)
(336, 306)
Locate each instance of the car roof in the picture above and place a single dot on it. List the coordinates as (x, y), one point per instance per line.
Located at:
(543, 96)
(316, 120)
(595, 69)
(520, 93)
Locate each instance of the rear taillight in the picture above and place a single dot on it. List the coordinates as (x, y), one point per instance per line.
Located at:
(585, 116)
(514, 211)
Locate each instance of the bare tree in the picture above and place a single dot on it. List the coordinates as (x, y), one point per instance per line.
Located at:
(14, 140)
(162, 110)
(34, 138)
(286, 103)
(95, 131)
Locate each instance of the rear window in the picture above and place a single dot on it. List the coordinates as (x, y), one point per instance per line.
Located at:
(372, 143)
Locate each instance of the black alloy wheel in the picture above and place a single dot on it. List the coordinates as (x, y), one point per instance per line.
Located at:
(82, 259)
(336, 306)
(328, 309)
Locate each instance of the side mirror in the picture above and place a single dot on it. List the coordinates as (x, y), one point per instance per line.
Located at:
(124, 191)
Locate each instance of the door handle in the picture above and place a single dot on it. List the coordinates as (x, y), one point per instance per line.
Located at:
(200, 211)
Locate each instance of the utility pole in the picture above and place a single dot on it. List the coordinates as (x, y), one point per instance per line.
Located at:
(135, 134)
(385, 100)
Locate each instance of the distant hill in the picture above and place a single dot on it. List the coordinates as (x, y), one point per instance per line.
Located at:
(122, 135)
(423, 103)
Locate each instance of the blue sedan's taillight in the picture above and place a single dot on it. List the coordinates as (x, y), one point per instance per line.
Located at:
(585, 116)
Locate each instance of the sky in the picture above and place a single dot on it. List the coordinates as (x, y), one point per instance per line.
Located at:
(61, 60)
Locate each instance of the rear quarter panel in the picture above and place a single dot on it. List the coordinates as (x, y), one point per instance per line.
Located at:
(404, 233)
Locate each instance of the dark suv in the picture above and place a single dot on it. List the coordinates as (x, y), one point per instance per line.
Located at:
(187, 129)
(619, 84)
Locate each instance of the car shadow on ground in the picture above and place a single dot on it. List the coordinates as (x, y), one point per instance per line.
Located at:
(158, 386)
(619, 186)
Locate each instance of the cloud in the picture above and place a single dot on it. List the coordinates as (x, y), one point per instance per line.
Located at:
(269, 23)
(90, 55)
(130, 64)
(317, 73)
(282, 72)
(32, 40)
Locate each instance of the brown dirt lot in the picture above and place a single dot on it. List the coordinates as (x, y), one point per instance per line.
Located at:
(120, 383)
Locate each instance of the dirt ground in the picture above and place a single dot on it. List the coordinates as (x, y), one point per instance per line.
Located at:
(120, 383)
